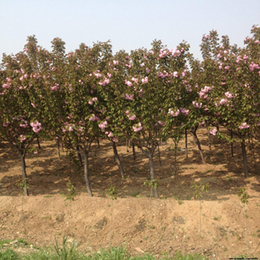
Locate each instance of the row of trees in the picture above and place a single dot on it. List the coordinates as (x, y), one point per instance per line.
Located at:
(146, 96)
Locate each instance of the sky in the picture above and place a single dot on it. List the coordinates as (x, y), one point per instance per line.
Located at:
(128, 24)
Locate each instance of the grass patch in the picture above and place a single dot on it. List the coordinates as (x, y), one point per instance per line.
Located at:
(70, 252)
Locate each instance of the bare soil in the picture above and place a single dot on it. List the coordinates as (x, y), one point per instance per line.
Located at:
(159, 226)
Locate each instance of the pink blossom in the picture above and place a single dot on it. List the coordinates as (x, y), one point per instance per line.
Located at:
(33, 105)
(223, 101)
(184, 111)
(103, 125)
(6, 86)
(175, 74)
(133, 117)
(129, 97)
(145, 80)
(110, 134)
(98, 75)
(115, 62)
(115, 139)
(94, 118)
(138, 127)
(172, 113)
(196, 104)
(213, 131)
(22, 138)
(36, 126)
(128, 83)
(109, 75)
(243, 126)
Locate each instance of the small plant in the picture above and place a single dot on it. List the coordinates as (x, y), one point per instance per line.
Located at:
(217, 218)
(229, 179)
(71, 192)
(180, 202)
(112, 193)
(199, 189)
(243, 196)
(152, 184)
(70, 196)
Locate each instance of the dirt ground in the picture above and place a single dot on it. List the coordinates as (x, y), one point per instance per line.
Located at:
(159, 226)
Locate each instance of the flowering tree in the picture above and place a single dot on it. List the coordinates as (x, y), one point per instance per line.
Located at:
(18, 122)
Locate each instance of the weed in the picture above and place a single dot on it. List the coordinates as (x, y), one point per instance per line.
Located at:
(180, 202)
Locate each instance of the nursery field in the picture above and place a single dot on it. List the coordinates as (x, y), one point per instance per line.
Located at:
(221, 229)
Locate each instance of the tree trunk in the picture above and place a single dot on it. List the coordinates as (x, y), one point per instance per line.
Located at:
(85, 154)
(186, 144)
(133, 148)
(150, 155)
(25, 184)
(175, 159)
(159, 155)
(79, 156)
(118, 160)
(196, 139)
(232, 147)
(209, 141)
(243, 146)
(38, 142)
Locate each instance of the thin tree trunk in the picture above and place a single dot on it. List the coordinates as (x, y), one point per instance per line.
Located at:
(186, 143)
(196, 139)
(150, 155)
(79, 156)
(232, 146)
(243, 146)
(133, 148)
(209, 141)
(118, 160)
(59, 149)
(38, 142)
(25, 184)
(175, 159)
(159, 154)
(85, 154)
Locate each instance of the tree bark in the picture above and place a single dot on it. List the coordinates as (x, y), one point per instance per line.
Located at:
(25, 183)
(175, 159)
(186, 144)
(243, 146)
(133, 148)
(38, 142)
(150, 155)
(196, 139)
(79, 156)
(209, 141)
(118, 160)
(232, 147)
(86, 173)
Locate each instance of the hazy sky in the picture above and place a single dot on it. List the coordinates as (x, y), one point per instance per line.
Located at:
(128, 24)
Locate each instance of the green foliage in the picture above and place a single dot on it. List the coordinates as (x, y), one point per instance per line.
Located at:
(199, 189)
(243, 195)
(23, 183)
(112, 192)
(71, 192)
(151, 184)
(9, 254)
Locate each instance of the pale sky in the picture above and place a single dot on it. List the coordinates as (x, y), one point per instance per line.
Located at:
(128, 24)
